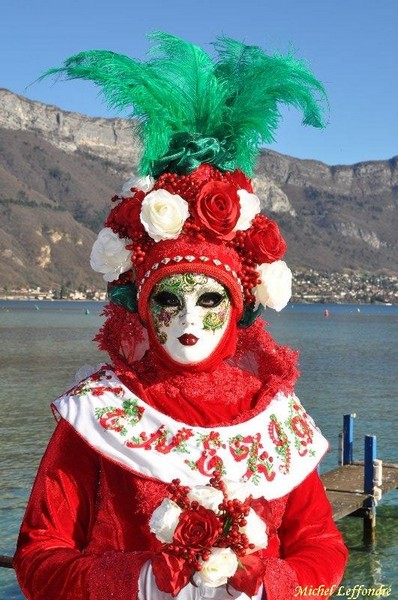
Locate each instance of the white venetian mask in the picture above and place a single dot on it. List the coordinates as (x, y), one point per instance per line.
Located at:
(189, 313)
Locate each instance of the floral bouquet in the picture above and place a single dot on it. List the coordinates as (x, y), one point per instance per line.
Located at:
(217, 207)
(209, 534)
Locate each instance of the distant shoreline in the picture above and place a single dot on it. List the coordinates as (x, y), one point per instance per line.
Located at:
(38, 301)
(32, 299)
(294, 303)
(309, 287)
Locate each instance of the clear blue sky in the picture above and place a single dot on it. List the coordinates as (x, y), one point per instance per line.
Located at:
(351, 45)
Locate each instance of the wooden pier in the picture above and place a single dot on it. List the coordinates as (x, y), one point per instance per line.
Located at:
(345, 488)
(355, 488)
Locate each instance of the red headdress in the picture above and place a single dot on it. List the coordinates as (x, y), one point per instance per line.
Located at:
(193, 210)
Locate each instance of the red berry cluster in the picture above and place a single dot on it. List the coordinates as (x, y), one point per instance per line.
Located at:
(231, 518)
(248, 274)
(187, 186)
(233, 515)
(179, 493)
(191, 556)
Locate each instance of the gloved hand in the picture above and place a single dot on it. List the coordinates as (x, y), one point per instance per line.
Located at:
(148, 590)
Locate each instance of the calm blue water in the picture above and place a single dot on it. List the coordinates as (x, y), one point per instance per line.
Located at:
(348, 362)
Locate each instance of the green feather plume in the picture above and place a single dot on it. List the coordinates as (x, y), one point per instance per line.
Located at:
(192, 108)
(257, 84)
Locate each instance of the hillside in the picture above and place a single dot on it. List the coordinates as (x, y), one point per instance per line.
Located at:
(59, 170)
(345, 217)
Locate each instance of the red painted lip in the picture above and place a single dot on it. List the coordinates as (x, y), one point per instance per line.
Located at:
(188, 339)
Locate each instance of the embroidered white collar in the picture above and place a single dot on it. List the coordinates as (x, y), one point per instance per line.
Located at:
(272, 452)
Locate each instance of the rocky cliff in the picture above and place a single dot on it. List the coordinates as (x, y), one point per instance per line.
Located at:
(59, 170)
(111, 140)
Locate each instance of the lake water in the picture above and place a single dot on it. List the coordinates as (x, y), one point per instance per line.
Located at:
(349, 365)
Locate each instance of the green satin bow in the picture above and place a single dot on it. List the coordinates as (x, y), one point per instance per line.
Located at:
(188, 151)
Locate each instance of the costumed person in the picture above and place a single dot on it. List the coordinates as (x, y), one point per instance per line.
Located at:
(187, 467)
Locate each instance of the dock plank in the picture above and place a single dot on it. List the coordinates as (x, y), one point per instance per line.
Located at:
(345, 503)
(344, 487)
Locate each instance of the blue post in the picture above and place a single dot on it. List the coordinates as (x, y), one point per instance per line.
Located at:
(369, 521)
(348, 439)
(370, 456)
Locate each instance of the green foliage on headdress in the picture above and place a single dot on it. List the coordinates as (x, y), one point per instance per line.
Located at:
(250, 314)
(124, 295)
(194, 109)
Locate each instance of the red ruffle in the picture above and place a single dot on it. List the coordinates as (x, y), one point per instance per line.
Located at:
(171, 572)
(231, 391)
(249, 576)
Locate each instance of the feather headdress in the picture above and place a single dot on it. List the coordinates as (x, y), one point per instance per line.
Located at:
(202, 121)
(193, 109)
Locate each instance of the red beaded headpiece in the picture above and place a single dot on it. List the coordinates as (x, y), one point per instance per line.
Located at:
(215, 229)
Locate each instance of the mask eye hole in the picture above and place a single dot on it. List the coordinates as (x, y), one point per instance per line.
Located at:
(166, 299)
(210, 299)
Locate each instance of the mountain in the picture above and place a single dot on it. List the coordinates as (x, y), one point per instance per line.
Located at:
(344, 217)
(59, 171)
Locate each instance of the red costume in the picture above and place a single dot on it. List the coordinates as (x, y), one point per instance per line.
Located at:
(86, 534)
(139, 436)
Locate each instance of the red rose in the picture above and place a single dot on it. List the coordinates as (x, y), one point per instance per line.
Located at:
(217, 208)
(124, 218)
(265, 241)
(197, 529)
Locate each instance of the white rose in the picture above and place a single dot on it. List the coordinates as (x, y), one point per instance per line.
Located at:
(207, 496)
(249, 208)
(235, 490)
(275, 288)
(164, 520)
(163, 214)
(109, 255)
(141, 183)
(255, 531)
(215, 571)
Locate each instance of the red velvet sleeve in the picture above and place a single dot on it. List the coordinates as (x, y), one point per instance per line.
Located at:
(313, 553)
(50, 561)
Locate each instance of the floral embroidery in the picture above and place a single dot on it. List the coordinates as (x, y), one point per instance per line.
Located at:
(206, 452)
(281, 443)
(300, 427)
(86, 387)
(101, 389)
(209, 461)
(162, 441)
(248, 447)
(82, 389)
(119, 419)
